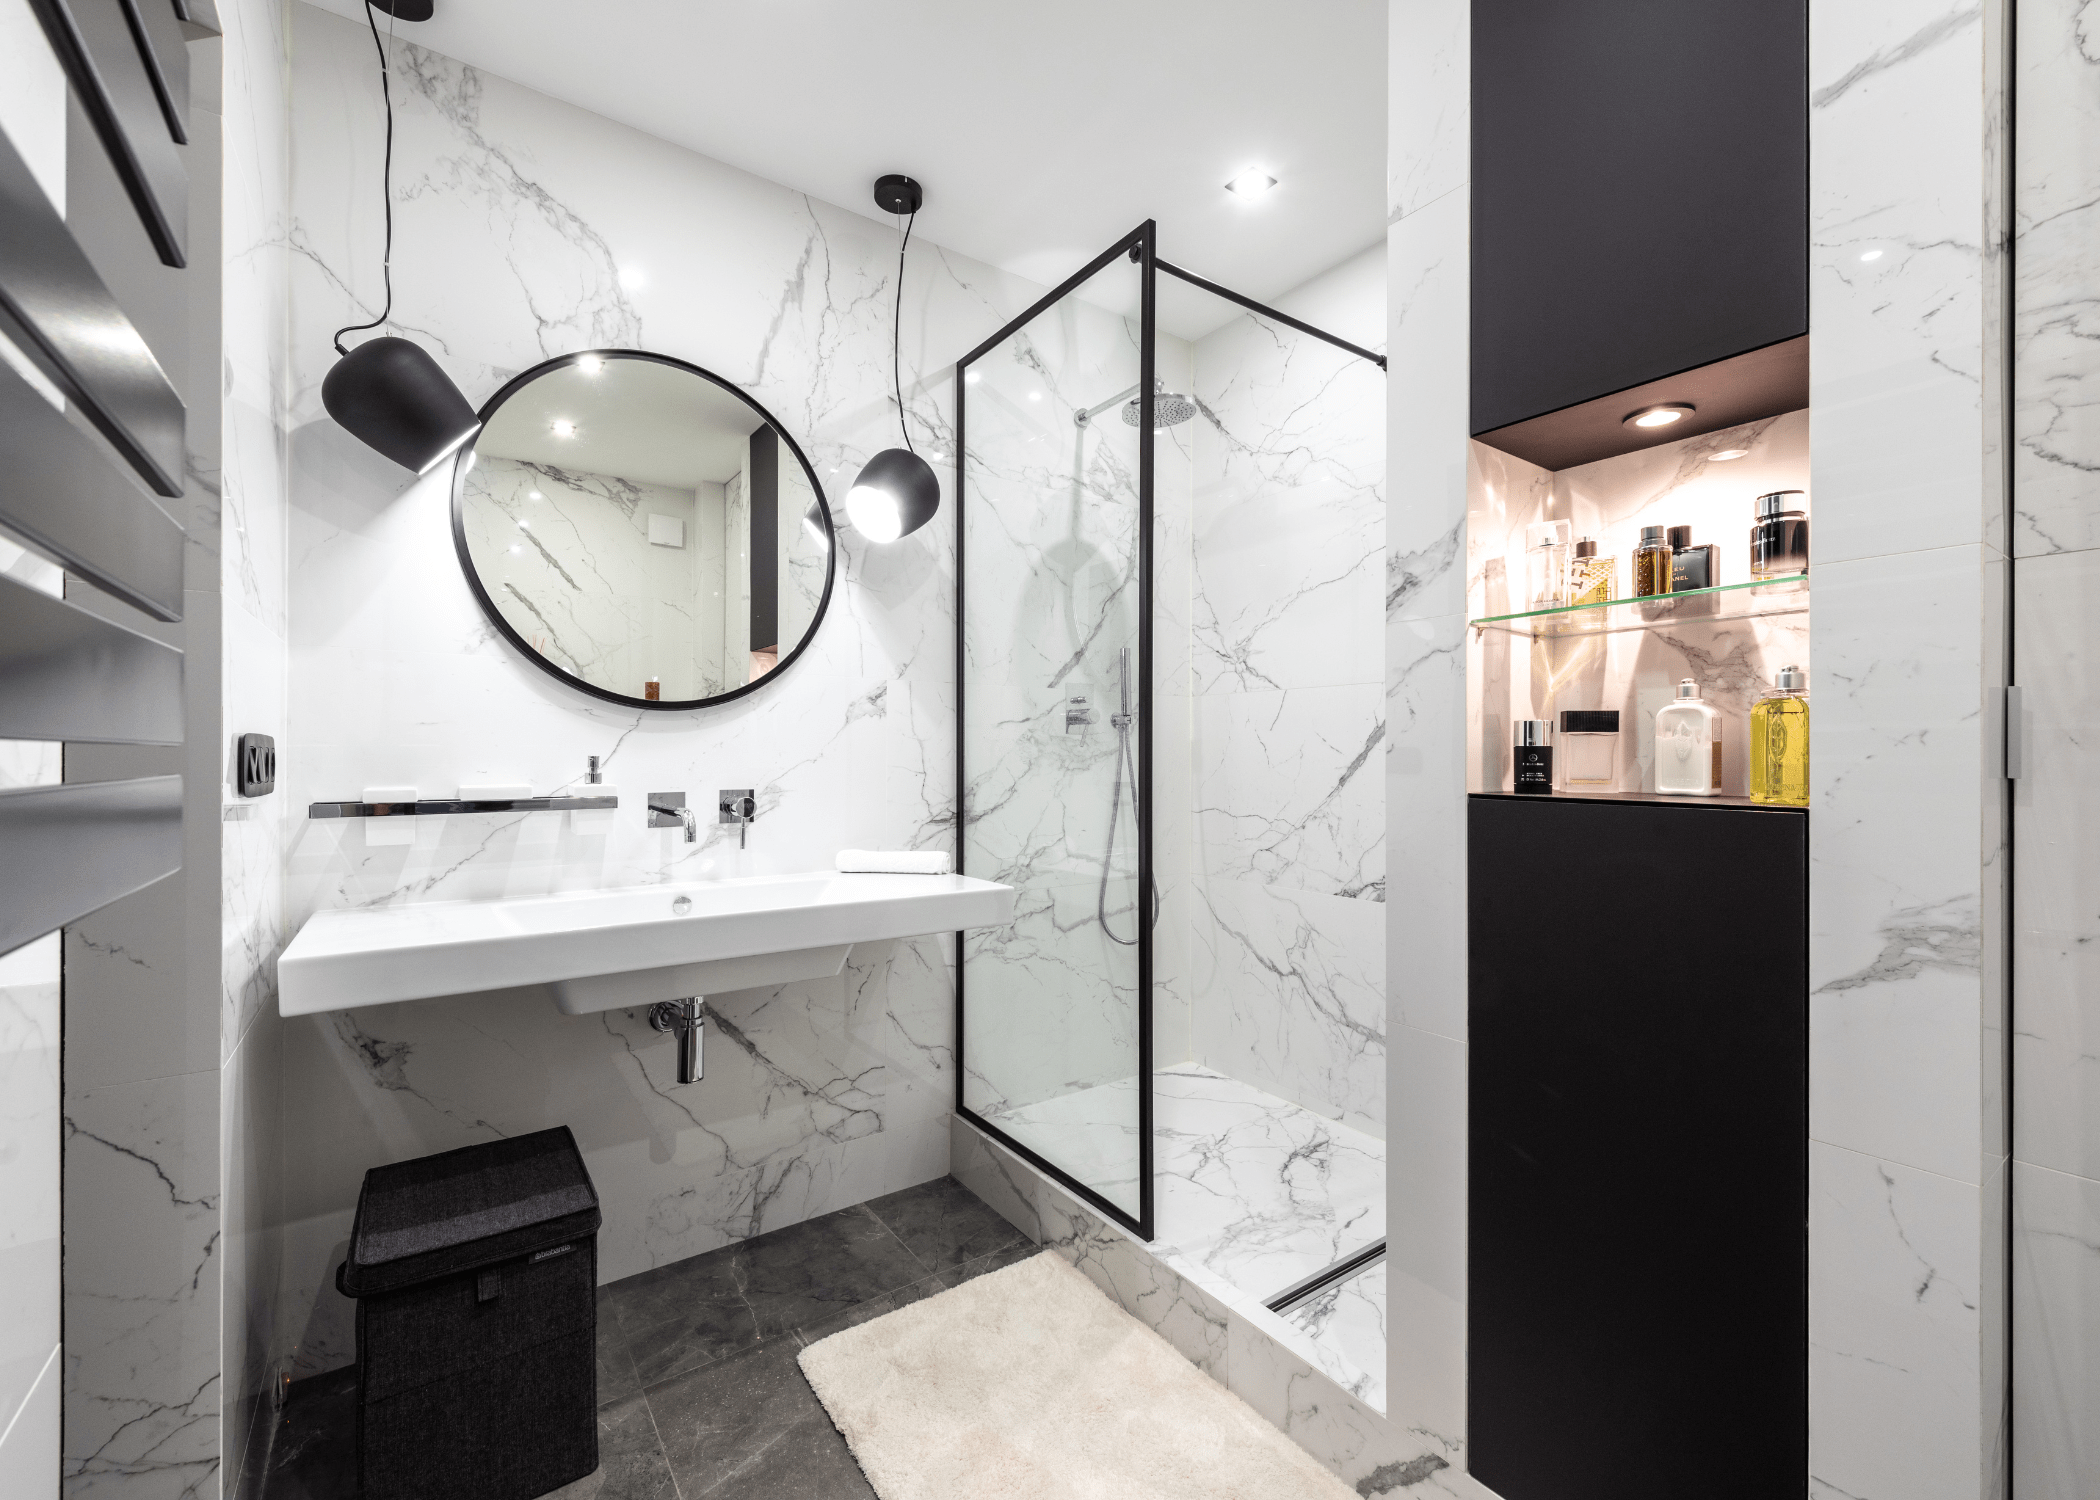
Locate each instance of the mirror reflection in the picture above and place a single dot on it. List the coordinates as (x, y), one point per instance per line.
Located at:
(642, 529)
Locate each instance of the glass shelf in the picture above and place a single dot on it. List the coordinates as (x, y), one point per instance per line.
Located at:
(1760, 599)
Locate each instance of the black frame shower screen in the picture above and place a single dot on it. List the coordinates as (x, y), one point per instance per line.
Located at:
(1136, 1212)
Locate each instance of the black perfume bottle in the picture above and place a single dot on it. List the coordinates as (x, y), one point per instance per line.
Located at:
(1534, 757)
(1692, 567)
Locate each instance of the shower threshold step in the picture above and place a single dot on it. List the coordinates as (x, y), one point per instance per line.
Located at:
(1254, 1196)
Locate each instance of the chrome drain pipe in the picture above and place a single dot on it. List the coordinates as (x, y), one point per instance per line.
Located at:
(686, 1018)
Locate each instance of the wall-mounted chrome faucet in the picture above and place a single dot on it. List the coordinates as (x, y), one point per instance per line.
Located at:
(1078, 714)
(738, 806)
(668, 810)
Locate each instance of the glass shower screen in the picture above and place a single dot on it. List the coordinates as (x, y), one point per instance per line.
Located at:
(1054, 453)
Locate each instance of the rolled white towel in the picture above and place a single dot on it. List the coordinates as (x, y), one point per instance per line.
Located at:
(893, 861)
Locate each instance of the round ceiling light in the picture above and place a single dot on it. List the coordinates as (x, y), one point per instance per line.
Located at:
(1251, 184)
(1726, 454)
(1664, 414)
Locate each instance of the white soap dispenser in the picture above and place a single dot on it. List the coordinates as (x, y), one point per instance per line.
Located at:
(1688, 745)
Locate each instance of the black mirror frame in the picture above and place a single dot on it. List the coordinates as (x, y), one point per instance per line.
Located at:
(495, 615)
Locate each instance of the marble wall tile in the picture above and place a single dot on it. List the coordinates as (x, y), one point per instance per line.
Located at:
(1898, 231)
(1290, 996)
(251, 1173)
(2056, 294)
(2056, 1294)
(1895, 906)
(143, 1267)
(1287, 788)
(1425, 675)
(2056, 1047)
(1896, 1331)
(1425, 778)
(1426, 1240)
(29, 1174)
(1172, 1306)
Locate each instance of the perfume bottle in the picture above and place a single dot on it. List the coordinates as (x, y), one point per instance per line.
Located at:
(1688, 745)
(1533, 757)
(1651, 563)
(1546, 564)
(1591, 579)
(1691, 567)
(1589, 749)
(1779, 741)
(1779, 540)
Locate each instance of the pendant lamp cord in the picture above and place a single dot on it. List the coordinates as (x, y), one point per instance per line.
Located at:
(897, 335)
(386, 182)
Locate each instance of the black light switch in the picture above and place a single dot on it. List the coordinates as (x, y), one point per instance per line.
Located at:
(255, 765)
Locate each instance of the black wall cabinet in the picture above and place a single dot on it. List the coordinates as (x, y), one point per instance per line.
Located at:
(1640, 193)
(1638, 1282)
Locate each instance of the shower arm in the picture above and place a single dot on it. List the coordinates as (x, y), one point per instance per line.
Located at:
(1081, 418)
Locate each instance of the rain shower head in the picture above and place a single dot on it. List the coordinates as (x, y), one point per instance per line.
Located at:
(1169, 409)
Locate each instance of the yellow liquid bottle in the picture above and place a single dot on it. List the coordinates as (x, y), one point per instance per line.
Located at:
(1779, 742)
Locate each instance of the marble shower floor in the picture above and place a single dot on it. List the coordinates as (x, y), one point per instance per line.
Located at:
(1253, 1195)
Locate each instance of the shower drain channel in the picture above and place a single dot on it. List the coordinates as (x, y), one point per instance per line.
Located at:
(1319, 1281)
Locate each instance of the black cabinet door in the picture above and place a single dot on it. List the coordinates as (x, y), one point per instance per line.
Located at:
(1638, 1284)
(1640, 193)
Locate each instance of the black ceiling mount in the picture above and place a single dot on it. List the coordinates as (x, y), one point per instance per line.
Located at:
(897, 194)
(406, 10)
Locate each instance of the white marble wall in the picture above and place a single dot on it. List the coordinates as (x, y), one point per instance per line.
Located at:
(1288, 714)
(1907, 1158)
(253, 535)
(1425, 714)
(526, 228)
(30, 1135)
(2056, 818)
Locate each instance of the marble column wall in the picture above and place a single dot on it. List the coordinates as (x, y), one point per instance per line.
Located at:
(527, 228)
(1907, 1151)
(1428, 163)
(2055, 529)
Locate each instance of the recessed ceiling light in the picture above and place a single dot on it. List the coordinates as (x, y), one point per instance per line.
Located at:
(563, 427)
(1035, 395)
(1661, 415)
(631, 277)
(1728, 453)
(1870, 255)
(590, 364)
(524, 526)
(1250, 184)
(973, 377)
(535, 495)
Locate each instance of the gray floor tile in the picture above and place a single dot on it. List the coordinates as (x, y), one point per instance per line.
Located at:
(687, 1315)
(808, 1462)
(944, 1224)
(616, 1377)
(722, 1420)
(874, 1307)
(631, 1462)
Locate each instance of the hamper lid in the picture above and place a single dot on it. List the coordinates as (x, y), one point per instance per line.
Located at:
(442, 1214)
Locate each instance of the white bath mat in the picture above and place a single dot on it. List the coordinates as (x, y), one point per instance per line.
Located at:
(1028, 1384)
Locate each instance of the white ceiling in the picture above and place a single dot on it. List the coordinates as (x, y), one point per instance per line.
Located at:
(1042, 132)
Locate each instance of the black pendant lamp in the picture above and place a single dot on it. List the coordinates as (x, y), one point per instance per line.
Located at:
(896, 492)
(388, 393)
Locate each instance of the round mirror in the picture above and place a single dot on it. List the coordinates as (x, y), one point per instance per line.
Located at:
(642, 529)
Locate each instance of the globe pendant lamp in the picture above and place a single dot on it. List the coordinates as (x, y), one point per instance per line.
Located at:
(897, 491)
(388, 393)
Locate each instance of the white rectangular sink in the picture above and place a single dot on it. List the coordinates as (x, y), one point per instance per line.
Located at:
(607, 950)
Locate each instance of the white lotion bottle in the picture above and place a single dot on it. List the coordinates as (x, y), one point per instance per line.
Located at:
(1688, 745)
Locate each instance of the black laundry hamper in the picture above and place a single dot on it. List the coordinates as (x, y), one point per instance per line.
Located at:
(475, 1273)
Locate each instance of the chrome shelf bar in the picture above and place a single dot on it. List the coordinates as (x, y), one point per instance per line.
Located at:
(430, 807)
